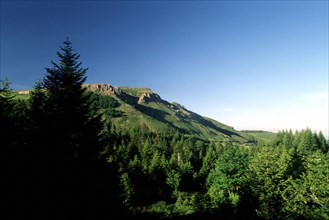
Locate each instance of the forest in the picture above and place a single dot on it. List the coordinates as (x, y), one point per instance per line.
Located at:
(65, 159)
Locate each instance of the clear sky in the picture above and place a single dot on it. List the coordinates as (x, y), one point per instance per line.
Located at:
(248, 64)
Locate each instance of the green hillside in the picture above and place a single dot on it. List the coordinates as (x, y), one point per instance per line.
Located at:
(141, 107)
(261, 135)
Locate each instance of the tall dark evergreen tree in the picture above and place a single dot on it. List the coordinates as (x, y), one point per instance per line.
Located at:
(67, 104)
(74, 179)
(6, 108)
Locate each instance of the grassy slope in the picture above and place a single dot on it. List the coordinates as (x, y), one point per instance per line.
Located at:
(162, 116)
(262, 135)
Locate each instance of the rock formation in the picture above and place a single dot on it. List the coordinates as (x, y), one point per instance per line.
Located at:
(106, 89)
(149, 97)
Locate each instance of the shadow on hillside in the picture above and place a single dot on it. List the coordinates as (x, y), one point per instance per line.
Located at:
(160, 115)
(209, 124)
(156, 114)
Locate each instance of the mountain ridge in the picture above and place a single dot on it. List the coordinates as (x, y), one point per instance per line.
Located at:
(143, 107)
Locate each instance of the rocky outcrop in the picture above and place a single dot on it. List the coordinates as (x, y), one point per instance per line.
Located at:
(106, 89)
(24, 92)
(149, 97)
(126, 94)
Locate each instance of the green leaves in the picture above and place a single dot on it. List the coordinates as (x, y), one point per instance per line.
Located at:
(290, 178)
(173, 179)
(285, 179)
(226, 181)
(267, 171)
(308, 197)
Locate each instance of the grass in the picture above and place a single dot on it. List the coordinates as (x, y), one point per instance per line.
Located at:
(135, 91)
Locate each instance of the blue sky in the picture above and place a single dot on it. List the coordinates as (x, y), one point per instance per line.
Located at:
(248, 64)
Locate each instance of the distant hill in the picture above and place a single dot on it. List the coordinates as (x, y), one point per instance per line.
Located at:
(143, 107)
(261, 135)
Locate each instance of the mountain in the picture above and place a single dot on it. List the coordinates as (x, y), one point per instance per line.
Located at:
(141, 107)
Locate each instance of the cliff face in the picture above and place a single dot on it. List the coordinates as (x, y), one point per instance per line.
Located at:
(127, 94)
(24, 92)
(105, 89)
(137, 95)
(149, 97)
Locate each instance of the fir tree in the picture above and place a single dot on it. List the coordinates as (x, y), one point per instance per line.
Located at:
(66, 103)
(6, 108)
(67, 138)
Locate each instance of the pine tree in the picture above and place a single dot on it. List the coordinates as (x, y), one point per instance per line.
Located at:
(67, 108)
(67, 137)
(227, 180)
(267, 176)
(323, 143)
(6, 108)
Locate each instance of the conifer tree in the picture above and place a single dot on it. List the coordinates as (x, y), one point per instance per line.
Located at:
(67, 106)
(6, 107)
(67, 138)
(6, 121)
(227, 181)
(323, 143)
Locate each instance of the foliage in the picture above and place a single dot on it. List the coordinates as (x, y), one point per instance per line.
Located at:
(226, 182)
(101, 104)
(267, 175)
(53, 147)
(308, 197)
(93, 156)
(289, 177)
